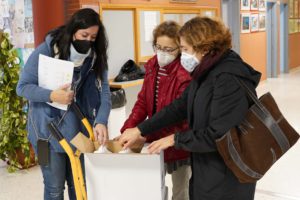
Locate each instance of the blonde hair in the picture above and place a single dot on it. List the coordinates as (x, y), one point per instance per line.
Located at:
(169, 29)
(206, 35)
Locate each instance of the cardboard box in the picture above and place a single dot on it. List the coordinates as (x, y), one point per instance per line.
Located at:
(121, 176)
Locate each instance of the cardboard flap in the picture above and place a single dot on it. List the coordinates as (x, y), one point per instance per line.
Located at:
(114, 146)
(83, 143)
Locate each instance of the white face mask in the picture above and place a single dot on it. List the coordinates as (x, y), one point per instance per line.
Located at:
(189, 62)
(164, 58)
(76, 57)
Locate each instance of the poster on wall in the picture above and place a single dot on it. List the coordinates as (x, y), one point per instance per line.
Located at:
(5, 17)
(28, 22)
(254, 5)
(245, 4)
(150, 21)
(262, 5)
(254, 22)
(245, 23)
(16, 20)
(262, 22)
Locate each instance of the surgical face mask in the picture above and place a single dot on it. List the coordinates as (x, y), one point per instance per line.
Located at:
(164, 58)
(189, 62)
(82, 46)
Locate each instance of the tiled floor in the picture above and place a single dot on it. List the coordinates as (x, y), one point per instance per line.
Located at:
(282, 182)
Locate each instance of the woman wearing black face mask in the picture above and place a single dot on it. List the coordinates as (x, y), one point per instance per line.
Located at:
(83, 41)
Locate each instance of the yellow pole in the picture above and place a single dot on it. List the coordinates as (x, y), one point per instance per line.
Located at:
(74, 165)
(89, 128)
(80, 173)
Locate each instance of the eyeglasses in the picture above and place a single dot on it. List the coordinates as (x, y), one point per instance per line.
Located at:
(165, 49)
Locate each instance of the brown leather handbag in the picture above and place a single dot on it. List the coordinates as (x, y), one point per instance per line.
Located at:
(251, 148)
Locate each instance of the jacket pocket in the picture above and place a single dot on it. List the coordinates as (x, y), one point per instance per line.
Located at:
(39, 116)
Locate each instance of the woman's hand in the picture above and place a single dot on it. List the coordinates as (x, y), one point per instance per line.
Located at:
(162, 144)
(129, 137)
(62, 95)
(100, 133)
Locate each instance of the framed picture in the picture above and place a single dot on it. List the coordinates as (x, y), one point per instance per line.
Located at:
(245, 4)
(254, 5)
(245, 23)
(262, 22)
(262, 5)
(254, 22)
(291, 9)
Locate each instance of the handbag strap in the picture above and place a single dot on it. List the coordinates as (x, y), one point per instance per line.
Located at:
(267, 119)
(250, 94)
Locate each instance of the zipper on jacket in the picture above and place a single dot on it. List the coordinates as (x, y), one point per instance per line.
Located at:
(94, 113)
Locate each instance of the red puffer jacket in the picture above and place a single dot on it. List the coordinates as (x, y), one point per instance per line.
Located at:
(170, 88)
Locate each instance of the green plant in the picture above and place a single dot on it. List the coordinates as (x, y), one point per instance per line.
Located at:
(13, 134)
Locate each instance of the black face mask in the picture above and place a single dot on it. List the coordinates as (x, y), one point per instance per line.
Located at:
(82, 46)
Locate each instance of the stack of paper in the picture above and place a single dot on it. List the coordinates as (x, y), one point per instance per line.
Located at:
(54, 73)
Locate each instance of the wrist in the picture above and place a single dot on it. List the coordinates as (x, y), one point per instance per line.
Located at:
(51, 97)
(100, 124)
(138, 131)
(172, 139)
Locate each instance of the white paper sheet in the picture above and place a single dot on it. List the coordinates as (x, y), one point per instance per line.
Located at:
(54, 73)
(150, 18)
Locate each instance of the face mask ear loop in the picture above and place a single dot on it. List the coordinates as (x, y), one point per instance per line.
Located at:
(74, 37)
(195, 57)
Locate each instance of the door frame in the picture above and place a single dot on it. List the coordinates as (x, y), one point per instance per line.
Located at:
(231, 18)
(284, 36)
(272, 44)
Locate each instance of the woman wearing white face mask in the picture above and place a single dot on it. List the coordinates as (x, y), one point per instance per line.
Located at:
(213, 104)
(165, 80)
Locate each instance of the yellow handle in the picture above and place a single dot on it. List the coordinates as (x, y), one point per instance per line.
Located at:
(76, 170)
(89, 128)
